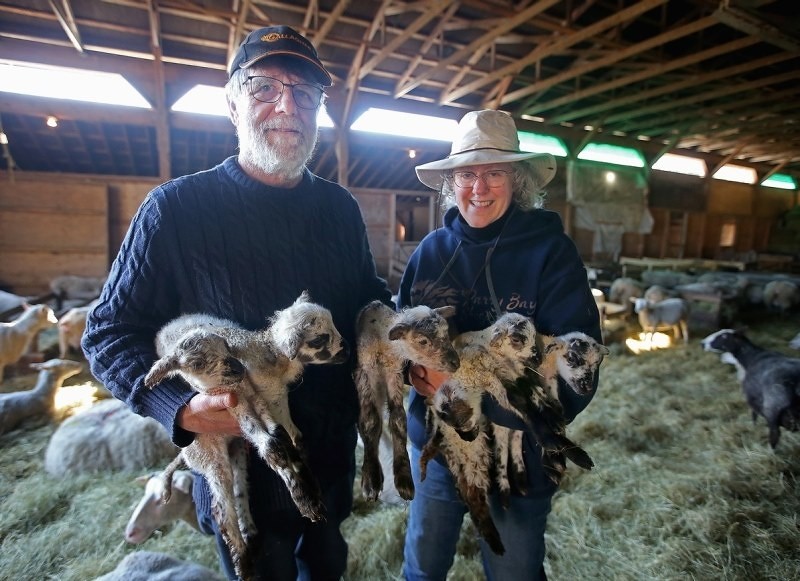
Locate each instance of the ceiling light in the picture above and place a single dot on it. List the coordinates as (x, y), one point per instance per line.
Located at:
(681, 164)
(607, 153)
(412, 153)
(52, 121)
(777, 180)
(736, 173)
(3, 138)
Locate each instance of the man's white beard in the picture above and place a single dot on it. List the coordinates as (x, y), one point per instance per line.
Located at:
(280, 154)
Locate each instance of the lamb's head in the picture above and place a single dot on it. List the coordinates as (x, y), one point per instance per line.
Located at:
(61, 369)
(459, 408)
(201, 357)
(724, 341)
(513, 344)
(578, 358)
(305, 331)
(423, 336)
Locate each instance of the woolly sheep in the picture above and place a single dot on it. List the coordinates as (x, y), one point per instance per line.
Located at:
(107, 436)
(151, 566)
(75, 287)
(71, 326)
(770, 380)
(656, 293)
(623, 289)
(212, 353)
(386, 340)
(16, 336)
(9, 301)
(38, 402)
(781, 295)
(672, 313)
(153, 511)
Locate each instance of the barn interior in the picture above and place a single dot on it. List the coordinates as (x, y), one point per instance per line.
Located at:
(695, 94)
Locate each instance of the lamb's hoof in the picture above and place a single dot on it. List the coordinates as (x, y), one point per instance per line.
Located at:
(405, 486)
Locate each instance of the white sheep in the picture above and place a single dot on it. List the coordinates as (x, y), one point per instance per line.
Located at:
(214, 354)
(781, 295)
(74, 287)
(38, 402)
(386, 341)
(16, 336)
(673, 313)
(151, 566)
(71, 326)
(107, 436)
(623, 289)
(10, 302)
(153, 511)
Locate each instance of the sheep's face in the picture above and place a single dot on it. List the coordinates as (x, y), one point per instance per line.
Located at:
(424, 338)
(203, 358)
(723, 341)
(453, 405)
(578, 360)
(513, 341)
(306, 332)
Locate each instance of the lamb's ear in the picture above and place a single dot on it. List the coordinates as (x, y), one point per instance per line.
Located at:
(292, 343)
(604, 350)
(143, 478)
(446, 312)
(304, 297)
(398, 331)
(182, 481)
(161, 369)
(497, 337)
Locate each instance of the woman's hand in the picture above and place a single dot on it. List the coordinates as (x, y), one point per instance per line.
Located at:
(208, 414)
(426, 381)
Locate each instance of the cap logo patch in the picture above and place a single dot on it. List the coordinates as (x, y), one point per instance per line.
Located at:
(276, 36)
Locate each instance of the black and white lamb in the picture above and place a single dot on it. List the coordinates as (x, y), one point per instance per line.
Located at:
(386, 341)
(770, 380)
(215, 355)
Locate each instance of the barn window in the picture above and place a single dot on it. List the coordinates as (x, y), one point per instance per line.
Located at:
(727, 236)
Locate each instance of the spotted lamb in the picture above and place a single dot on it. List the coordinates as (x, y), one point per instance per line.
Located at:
(215, 355)
(387, 340)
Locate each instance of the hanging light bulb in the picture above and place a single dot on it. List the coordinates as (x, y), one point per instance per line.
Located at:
(52, 121)
(3, 138)
(412, 153)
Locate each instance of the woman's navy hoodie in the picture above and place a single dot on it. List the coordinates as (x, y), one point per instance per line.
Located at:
(524, 263)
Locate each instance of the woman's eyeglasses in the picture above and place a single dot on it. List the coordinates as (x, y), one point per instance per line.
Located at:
(270, 90)
(493, 178)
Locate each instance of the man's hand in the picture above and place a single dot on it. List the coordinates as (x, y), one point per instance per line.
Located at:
(208, 414)
(426, 381)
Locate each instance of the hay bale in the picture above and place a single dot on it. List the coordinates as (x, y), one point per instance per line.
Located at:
(107, 436)
(151, 566)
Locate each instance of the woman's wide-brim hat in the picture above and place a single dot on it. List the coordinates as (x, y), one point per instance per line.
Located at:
(485, 137)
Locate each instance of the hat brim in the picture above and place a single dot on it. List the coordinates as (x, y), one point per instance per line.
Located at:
(322, 76)
(430, 174)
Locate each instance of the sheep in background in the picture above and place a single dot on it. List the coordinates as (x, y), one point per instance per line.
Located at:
(151, 566)
(386, 340)
(153, 511)
(666, 278)
(795, 342)
(16, 336)
(73, 287)
(770, 380)
(673, 313)
(10, 301)
(38, 402)
(656, 293)
(107, 436)
(781, 295)
(71, 326)
(623, 290)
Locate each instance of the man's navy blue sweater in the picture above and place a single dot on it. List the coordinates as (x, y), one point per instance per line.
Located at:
(222, 243)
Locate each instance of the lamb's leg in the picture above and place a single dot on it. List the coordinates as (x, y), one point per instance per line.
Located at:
(209, 456)
(517, 471)
(166, 477)
(502, 437)
(431, 448)
(399, 429)
(275, 447)
(370, 426)
(477, 503)
(238, 453)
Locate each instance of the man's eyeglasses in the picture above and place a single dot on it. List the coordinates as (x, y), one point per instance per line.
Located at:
(269, 90)
(493, 178)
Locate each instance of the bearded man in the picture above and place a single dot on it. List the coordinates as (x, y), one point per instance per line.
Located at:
(240, 241)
